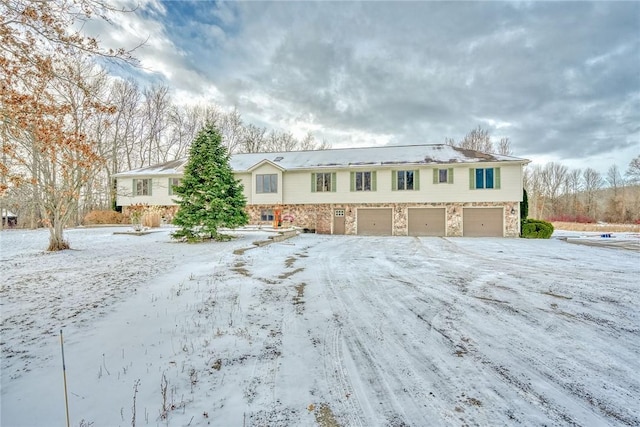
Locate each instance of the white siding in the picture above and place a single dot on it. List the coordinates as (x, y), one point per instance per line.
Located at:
(510, 186)
(245, 178)
(159, 191)
(266, 198)
(297, 187)
(294, 187)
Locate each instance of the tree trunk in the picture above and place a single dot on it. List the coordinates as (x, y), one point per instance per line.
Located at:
(56, 235)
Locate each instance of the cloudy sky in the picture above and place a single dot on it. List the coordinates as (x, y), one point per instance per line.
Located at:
(560, 79)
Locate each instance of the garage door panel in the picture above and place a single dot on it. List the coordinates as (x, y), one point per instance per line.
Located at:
(426, 221)
(374, 222)
(483, 222)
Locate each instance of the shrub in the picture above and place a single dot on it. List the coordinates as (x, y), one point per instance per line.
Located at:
(151, 219)
(536, 229)
(581, 219)
(103, 217)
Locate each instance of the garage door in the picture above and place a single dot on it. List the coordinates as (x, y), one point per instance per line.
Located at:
(374, 222)
(482, 222)
(426, 221)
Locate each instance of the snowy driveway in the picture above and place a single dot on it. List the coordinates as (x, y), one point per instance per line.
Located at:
(326, 330)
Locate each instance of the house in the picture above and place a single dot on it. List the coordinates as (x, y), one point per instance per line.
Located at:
(416, 190)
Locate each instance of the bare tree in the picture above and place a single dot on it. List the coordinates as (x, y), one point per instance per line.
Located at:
(280, 141)
(478, 139)
(633, 171)
(232, 130)
(614, 178)
(253, 139)
(504, 147)
(155, 108)
(126, 97)
(184, 124)
(533, 184)
(43, 129)
(309, 143)
(83, 91)
(553, 177)
(573, 186)
(616, 204)
(592, 182)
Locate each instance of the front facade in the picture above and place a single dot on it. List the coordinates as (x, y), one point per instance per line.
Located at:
(418, 190)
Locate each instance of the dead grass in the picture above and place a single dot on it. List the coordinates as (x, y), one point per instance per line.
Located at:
(238, 267)
(574, 226)
(289, 261)
(298, 298)
(104, 217)
(324, 416)
(290, 273)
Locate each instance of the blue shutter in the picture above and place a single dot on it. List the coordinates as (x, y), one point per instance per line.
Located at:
(488, 178)
(479, 178)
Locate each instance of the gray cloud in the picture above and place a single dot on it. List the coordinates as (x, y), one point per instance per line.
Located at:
(561, 79)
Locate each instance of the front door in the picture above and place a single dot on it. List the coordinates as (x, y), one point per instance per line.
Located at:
(338, 221)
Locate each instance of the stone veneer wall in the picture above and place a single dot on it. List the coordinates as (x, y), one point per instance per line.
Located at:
(320, 217)
(313, 217)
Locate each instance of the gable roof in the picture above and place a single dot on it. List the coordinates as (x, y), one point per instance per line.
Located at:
(263, 162)
(431, 154)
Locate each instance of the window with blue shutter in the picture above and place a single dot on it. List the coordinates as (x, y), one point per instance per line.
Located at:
(484, 178)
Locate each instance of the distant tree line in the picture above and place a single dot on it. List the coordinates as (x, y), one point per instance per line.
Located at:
(136, 127)
(558, 193)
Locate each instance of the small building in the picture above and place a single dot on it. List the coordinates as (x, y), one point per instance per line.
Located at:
(415, 190)
(9, 219)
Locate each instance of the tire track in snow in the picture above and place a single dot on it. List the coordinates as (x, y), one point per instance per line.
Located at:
(380, 342)
(536, 370)
(336, 376)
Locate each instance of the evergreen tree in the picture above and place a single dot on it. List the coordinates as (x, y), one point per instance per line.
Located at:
(210, 196)
(524, 205)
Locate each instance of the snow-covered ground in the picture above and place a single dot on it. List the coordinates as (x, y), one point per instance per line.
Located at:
(318, 330)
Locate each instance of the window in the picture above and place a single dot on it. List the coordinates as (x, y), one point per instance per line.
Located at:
(363, 181)
(481, 178)
(339, 213)
(267, 183)
(405, 180)
(323, 182)
(266, 215)
(443, 176)
(141, 187)
(173, 182)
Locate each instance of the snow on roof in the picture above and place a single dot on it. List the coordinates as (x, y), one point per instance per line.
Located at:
(344, 157)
